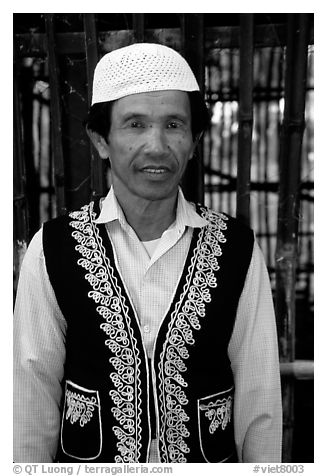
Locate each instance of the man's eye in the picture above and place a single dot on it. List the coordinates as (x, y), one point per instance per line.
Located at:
(136, 124)
(173, 125)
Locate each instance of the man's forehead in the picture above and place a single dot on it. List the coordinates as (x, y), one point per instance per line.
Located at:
(160, 102)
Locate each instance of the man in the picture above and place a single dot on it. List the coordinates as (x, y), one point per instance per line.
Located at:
(144, 324)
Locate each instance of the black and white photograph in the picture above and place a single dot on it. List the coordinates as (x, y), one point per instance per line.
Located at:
(163, 227)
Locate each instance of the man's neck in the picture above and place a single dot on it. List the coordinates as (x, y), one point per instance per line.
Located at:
(148, 218)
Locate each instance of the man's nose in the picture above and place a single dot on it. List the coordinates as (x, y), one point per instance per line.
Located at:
(156, 141)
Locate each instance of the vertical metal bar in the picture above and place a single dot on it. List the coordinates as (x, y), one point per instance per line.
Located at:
(245, 118)
(229, 151)
(92, 57)
(138, 27)
(193, 50)
(56, 119)
(19, 169)
(257, 167)
(221, 167)
(210, 149)
(288, 210)
(266, 157)
(220, 126)
(26, 80)
(91, 49)
(260, 68)
(21, 228)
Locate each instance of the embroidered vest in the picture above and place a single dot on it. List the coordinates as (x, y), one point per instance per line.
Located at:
(106, 398)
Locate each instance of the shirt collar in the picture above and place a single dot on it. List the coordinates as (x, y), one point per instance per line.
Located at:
(110, 209)
(186, 214)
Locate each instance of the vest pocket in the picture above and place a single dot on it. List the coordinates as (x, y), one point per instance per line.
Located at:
(215, 426)
(81, 431)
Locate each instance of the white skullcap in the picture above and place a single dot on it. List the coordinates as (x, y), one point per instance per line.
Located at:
(139, 68)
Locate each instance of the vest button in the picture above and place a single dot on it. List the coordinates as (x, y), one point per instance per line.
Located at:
(146, 329)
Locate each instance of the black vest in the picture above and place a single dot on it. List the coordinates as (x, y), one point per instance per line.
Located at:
(106, 389)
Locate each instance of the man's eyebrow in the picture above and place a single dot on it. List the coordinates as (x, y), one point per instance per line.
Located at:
(132, 115)
(167, 117)
(180, 117)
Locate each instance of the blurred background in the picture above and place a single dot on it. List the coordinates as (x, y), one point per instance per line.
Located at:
(255, 161)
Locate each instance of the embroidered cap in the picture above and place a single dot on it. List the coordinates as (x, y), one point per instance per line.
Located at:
(139, 68)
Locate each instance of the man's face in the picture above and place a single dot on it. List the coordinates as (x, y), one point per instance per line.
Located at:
(149, 144)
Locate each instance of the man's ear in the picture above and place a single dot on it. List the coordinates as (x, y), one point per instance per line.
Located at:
(99, 143)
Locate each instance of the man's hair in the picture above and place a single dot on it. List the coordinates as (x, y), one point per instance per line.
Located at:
(99, 116)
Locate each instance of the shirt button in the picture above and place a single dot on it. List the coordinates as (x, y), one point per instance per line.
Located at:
(146, 329)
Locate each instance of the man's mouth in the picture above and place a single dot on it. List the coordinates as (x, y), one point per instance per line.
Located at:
(157, 170)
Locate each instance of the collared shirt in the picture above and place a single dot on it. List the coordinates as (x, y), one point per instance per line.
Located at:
(39, 336)
(145, 276)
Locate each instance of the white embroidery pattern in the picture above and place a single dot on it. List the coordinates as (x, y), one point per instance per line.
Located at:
(79, 407)
(184, 319)
(112, 307)
(219, 413)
